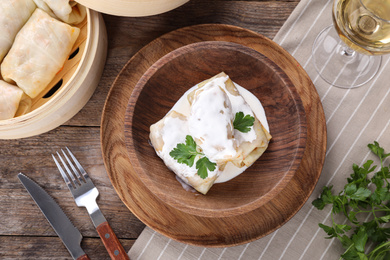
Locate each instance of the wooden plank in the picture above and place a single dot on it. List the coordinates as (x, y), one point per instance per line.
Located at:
(32, 156)
(19, 247)
(24, 232)
(127, 35)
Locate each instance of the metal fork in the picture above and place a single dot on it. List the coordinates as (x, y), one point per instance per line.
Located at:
(85, 193)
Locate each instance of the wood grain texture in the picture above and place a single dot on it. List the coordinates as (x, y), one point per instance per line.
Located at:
(190, 228)
(51, 247)
(24, 232)
(32, 156)
(127, 35)
(111, 242)
(170, 77)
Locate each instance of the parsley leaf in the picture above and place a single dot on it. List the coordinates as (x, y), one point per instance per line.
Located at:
(360, 239)
(185, 153)
(243, 123)
(326, 198)
(204, 164)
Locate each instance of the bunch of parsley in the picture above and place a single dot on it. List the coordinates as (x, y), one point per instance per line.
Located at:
(362, 195)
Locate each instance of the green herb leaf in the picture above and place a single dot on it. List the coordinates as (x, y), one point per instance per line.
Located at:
(360, 194)
(329, 230)
(185, 153)
(360, 239)
(325, 198)
(243, 123)
(351, 254)
(341, 229)
(346, 242)
(204, 164)
(375, 232)
(379, 151)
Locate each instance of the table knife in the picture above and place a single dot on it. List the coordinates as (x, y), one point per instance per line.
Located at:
(69, 234)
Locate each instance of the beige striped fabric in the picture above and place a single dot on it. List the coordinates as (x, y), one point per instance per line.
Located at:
(354, 118)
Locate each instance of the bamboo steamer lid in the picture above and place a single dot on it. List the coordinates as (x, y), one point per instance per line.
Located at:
(132, 8)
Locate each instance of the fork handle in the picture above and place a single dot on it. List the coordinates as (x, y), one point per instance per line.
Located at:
(111, 242)
(84, 257)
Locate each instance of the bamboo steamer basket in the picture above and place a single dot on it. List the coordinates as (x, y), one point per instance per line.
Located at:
(71, 88)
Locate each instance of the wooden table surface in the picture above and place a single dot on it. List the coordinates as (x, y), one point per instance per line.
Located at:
(24, 231)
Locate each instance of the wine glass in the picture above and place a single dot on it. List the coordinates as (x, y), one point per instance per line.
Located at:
(347, 53)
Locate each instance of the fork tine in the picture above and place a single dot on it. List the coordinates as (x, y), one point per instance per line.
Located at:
(63, 174)
(71, 175)
(75, 171)
(81, 169)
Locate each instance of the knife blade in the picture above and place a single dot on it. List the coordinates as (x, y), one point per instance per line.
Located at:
(69, 234)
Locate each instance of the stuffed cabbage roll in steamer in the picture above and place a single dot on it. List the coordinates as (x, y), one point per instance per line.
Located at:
(67, 11)
(13, 15)
(10, 97)
(38, 53)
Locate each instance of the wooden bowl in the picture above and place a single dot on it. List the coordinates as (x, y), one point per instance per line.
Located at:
(71, 88)
(169, 78)
(185, 227)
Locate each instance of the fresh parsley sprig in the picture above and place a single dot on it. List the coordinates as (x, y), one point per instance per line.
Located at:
(186, 154)
(243, 123)
(204, 164)
(361, 195)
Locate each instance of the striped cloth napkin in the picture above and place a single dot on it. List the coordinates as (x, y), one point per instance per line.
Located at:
(354, 119)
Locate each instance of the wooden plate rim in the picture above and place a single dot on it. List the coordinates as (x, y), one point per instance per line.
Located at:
(115, 155)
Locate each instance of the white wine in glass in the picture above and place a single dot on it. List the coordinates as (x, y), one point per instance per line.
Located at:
(364, 28)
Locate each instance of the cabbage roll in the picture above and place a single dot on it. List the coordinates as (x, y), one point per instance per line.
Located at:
(249, 146)
(67, 11)
(38, 53)
(10, 97)
(210, 121)
(24, 105)
(14, 14)
(209, 131)
(165, 135)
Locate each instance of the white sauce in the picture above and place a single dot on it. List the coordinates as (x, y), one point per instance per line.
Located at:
(174, 132)
(210, 121)
(247, 103)
(183, 106)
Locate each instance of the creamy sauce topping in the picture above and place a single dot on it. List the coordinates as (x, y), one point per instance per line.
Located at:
(174, 132)
(210, 121)
(183, 106)
(247, 103)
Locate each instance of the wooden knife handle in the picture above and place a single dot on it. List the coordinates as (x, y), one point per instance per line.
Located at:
(111, 242)
(84, 257)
